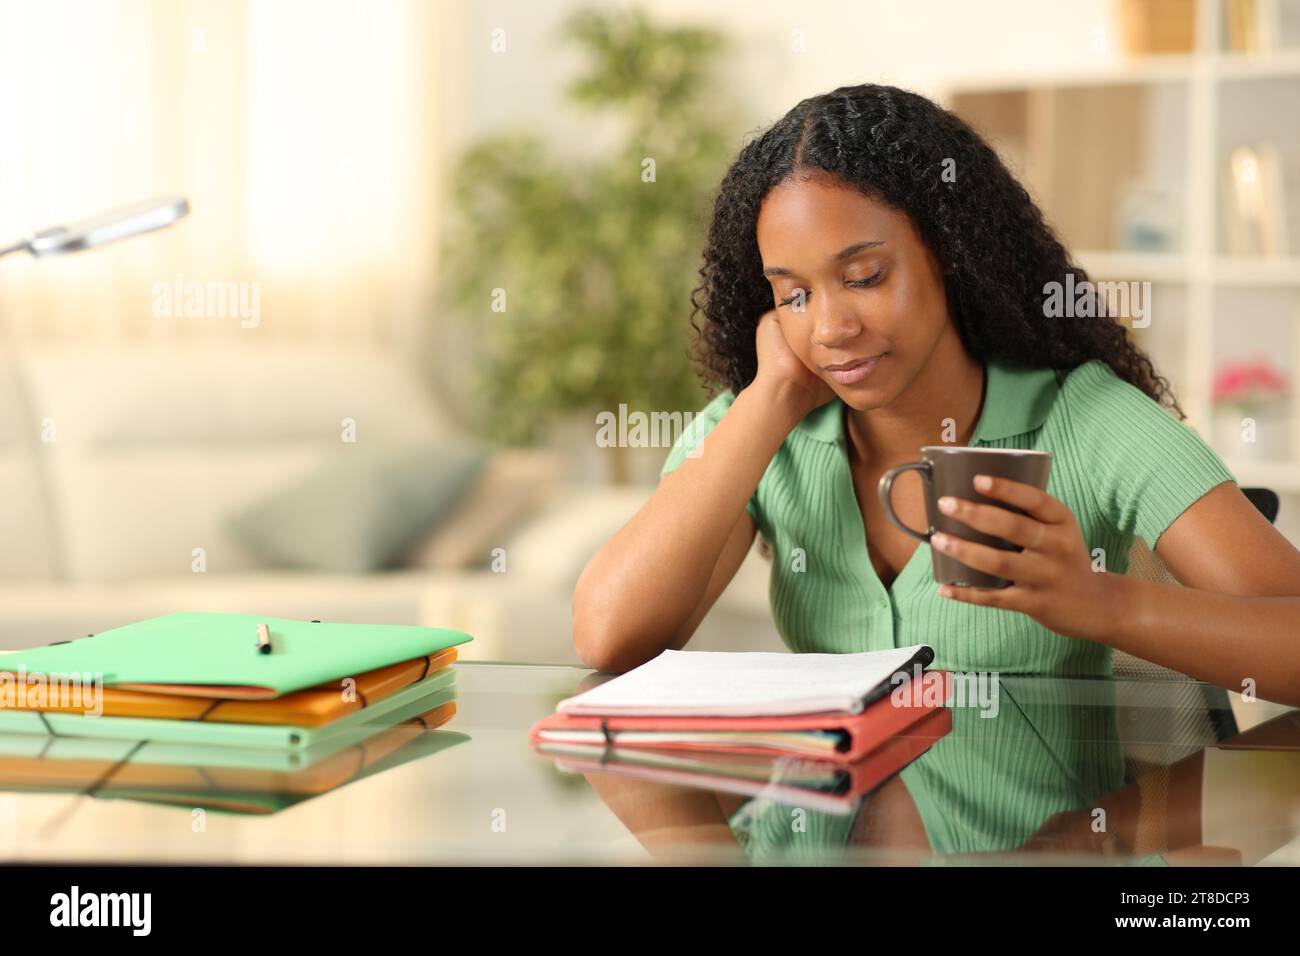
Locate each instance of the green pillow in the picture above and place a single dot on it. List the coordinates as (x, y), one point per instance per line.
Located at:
(362, 509)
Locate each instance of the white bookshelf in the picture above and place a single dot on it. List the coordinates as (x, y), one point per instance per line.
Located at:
(1192, 101)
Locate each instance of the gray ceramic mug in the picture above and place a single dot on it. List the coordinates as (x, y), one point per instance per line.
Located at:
(951, 470)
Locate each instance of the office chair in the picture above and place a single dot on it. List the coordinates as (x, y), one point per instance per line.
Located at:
(1265, 501)
(1195, 715)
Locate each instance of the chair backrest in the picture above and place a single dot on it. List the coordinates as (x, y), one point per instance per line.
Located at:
(1198, 727)
(1144, 563)
(1265, 500)
(159, 445)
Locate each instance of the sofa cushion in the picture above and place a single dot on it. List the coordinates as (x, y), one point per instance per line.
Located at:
(156, 447)
(362, 508)
(27, 545)
(156, 395)
(512, 488)
(553, 549)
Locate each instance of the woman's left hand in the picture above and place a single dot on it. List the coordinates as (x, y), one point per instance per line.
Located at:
(1052, 578)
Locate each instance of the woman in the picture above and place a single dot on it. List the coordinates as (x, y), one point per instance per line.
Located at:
(875, 280)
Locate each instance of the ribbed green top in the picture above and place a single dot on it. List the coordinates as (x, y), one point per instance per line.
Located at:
(1123, 465)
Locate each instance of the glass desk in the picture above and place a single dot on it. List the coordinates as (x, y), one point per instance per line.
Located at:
(1073, 771)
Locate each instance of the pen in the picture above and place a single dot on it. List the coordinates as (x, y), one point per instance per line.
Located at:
(263, 639)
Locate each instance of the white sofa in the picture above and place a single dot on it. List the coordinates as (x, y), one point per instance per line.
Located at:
(116, 463)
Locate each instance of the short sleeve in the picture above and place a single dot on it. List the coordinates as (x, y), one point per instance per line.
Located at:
(692, 435)
(1145, 466)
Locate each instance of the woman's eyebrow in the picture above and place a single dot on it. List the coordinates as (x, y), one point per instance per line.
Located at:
(840, 256)
(854, 249)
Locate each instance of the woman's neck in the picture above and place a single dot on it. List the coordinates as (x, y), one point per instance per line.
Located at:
(950, 385)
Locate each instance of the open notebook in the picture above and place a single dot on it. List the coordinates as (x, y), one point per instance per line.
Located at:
(721, 684)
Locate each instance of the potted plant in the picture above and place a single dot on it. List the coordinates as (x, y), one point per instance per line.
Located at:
(1250, 401)
(592, 263)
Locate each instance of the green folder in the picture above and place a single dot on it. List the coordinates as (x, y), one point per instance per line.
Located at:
(202, 649)
(416, 700)
(229, 735)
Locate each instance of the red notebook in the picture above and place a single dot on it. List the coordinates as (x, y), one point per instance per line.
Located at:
(836, 735)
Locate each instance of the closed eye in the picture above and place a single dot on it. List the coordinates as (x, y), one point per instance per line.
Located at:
(855, 284)
(867, 282)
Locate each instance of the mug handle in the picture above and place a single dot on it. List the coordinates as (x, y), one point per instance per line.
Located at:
(886, 489)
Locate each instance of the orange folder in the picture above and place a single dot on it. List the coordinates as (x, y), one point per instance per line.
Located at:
(312, 707)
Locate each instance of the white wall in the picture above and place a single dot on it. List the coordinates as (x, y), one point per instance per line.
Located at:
(924, 45)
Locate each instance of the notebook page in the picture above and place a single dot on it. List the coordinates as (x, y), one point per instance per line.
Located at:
(719, 683)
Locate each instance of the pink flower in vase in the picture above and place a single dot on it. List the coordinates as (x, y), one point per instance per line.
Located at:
(1250, 384)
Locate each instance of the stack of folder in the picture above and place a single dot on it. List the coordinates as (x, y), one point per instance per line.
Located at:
(814, 730)
(224, 711)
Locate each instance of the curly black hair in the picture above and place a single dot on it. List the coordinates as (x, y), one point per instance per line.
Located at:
(986, 233)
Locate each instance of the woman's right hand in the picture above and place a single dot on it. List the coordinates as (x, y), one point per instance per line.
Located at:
(781, 369)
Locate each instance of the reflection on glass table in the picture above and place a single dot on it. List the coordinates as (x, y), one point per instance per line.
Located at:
(1057, 775)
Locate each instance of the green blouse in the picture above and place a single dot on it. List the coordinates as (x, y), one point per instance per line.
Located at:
(1121, 463)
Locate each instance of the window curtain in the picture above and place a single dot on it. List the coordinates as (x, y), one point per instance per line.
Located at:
(302, 132)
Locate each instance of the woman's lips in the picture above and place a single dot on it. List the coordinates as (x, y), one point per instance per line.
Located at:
(856, 372)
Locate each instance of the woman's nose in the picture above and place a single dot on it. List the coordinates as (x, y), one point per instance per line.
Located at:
(834, 324)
